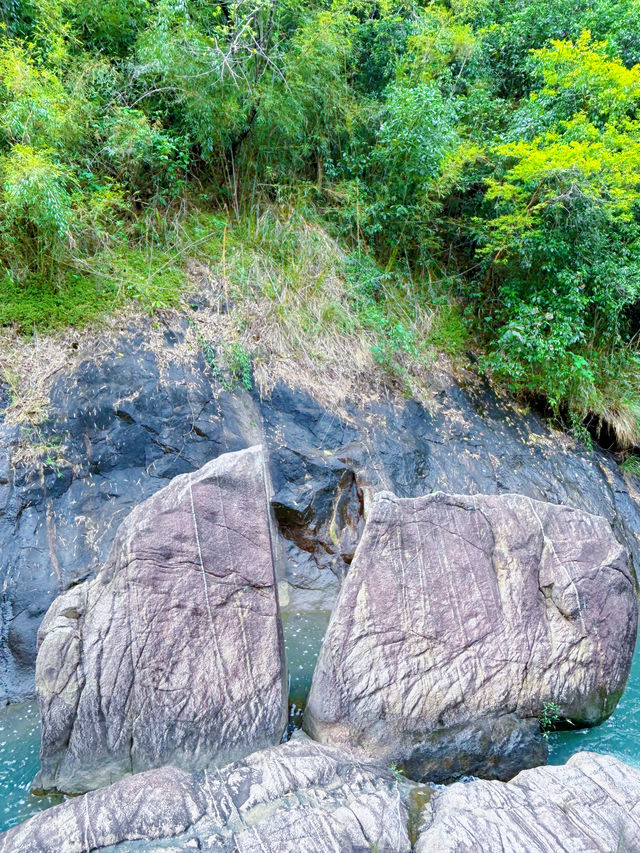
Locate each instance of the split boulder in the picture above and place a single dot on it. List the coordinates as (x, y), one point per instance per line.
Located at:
(173, 654)
(459, 619)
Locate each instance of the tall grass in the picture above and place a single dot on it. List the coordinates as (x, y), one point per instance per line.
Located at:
(302, 304)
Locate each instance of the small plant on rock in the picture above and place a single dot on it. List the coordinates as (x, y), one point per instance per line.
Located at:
(631, 465)
(398, 772)
(548, 718)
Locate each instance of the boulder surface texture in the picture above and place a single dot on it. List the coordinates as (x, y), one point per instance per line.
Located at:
(586, 805)
(300, 797)
(459, 618)
(174, 653)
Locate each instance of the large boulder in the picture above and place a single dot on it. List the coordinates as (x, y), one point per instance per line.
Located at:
(589, 804)
(174, 653)
(296, 798)
(459, 619)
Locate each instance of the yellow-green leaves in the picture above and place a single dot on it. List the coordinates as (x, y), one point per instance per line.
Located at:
(591, 156)
(600, 84)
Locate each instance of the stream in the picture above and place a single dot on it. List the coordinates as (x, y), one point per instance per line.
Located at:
(303, 632)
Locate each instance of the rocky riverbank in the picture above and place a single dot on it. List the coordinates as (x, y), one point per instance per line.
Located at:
(180, 521)
(130, 414)
(303, 797)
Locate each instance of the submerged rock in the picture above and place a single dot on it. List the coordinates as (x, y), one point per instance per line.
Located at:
(296, 798)
(589, 804)
(174, 653)
(459, 618)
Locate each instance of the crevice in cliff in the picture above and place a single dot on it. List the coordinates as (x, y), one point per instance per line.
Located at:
(329, 532)
(607, 434)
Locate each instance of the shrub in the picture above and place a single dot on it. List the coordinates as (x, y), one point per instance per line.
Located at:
(36, 213)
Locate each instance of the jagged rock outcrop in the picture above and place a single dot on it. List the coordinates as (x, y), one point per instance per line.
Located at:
(174, 653)
(304, 797)
(133, 411)
(459, 618)
(588, 804)
(300, 797)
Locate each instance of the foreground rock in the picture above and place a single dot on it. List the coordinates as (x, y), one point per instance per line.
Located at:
(297, 798)
(459, 618)
(174, 653)
(589, 804)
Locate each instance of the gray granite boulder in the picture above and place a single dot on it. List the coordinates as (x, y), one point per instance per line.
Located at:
(300, 797)
(589, 804)
(174, 653)
(459, 618)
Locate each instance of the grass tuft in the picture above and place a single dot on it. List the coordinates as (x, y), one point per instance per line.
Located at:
(611, 398)
(631, 465)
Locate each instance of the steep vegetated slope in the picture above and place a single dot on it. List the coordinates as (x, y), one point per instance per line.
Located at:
(376, 180)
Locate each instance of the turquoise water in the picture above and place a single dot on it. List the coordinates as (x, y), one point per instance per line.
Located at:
(19, 761)
(619, 735)
(20, 723)
(303, 633)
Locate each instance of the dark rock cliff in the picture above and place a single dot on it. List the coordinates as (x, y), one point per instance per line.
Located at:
(121, 423)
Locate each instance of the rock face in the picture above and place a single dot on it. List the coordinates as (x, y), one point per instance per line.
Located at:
(129, 415)
(296, 798)
(589, 804)
(459, 618)
(174, 653)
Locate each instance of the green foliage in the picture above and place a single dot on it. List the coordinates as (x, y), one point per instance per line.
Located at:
(448, 332)
(108, 26)
(305, 110)
(36, 211)
(561, 250)
(372, 298)
(153, 279)
(231, 365)
(142, 157)
(398, 772)
(416, 136)
(420, 175)
(240, 365)
(631, 465)
(548, 718)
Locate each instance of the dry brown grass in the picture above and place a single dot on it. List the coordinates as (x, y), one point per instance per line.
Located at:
(29, 366)
(292, 315)
(295, 317)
